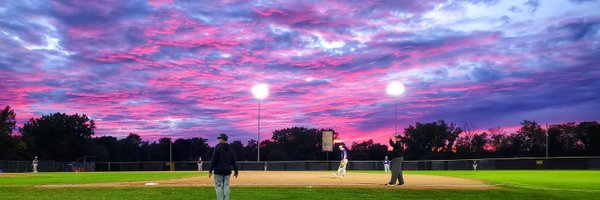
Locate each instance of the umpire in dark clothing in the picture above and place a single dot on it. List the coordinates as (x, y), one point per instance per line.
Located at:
(222, 162)
(398, 157)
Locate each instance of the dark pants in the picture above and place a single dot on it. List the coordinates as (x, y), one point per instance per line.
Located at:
(397, 171)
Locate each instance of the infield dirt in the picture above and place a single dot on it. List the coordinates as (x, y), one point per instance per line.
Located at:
(14, 174)
(306, 179)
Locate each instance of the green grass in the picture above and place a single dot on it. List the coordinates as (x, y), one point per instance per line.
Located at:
(575, 180)
(517, 184)
(564, 180)
(30, 179)
(260, 193)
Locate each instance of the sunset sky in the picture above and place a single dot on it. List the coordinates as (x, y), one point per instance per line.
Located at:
(170, 68)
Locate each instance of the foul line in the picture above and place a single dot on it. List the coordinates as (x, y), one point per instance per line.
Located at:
(545, 188)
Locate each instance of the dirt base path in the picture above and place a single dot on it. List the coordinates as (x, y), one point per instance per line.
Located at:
(15, 174)
(306, 179)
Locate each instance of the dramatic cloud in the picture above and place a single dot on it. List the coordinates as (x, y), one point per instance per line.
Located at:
(171, 68)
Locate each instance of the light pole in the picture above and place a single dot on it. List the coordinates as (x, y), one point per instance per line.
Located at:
(260, 92)
(395, 89)
(547, 137)
(171, 167)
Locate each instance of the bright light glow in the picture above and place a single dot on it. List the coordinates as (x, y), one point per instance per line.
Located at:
(395, 88)
(260, 91)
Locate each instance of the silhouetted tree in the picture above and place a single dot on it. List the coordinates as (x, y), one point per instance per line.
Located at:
(589, 134)
(299, 143)
(200, 146)
(105, 148)
(368, 150)
(182, 150)
(480, 144)
(430, 140)
(7, 121)
(65, 137)
(463, 147)
(501, 146)
(530, 139)
(563, 140)
(471, 144)
(238, 148)
(58, 136)
(378, 151)
(251, 150)
(268, 146)
(12, 146)
(130, 148)
(277, 155)
(360, 151)
(190, 149)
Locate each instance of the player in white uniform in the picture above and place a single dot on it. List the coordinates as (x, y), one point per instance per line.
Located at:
(343, 163)
(34, 164)
(200, 163)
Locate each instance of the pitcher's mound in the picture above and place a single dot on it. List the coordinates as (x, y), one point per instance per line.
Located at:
(310, 179)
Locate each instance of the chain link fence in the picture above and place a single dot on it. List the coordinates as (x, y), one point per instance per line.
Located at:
(464, 164)
(26, 166)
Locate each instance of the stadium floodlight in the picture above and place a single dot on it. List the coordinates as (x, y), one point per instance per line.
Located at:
(395, 89)
(260, 92)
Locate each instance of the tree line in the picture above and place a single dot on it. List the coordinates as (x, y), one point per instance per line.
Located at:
(64, 137)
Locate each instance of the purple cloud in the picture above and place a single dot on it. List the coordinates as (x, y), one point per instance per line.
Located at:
(185, 68)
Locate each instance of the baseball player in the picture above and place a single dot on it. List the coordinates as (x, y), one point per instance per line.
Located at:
(386, 165)
(342, 168)
(34, 164)
(200, 163)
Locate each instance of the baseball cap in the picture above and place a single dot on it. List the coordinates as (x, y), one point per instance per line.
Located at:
(222, 136)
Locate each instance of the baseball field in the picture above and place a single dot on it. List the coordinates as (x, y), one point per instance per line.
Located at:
(497, 184)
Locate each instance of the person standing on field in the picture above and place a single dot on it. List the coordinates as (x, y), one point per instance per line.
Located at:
(34, 164)
(398, 157)
(222, 162)
(343, 163)
(200, 163)
(386, 165)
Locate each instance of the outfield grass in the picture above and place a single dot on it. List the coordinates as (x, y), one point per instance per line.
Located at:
(263, 193)
(31, 179)
(562, 180)
(513, 185)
